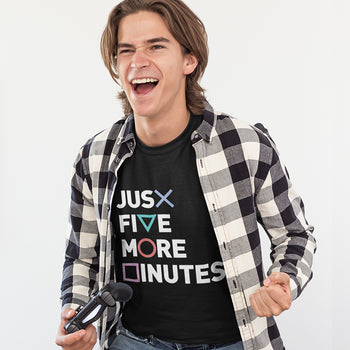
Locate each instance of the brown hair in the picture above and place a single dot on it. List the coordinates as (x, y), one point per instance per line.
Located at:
(185, 27)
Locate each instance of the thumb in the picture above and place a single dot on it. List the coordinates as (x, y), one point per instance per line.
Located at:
(67, 314)
(277, 278)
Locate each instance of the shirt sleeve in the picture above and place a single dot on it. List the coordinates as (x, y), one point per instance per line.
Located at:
(281, 213)
(80, 270)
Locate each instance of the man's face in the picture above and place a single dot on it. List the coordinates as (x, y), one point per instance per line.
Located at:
(151, 66)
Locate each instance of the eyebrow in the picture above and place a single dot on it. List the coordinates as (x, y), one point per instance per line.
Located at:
(149, 41)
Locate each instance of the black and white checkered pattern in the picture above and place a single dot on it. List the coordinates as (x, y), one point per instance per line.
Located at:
(244, 183)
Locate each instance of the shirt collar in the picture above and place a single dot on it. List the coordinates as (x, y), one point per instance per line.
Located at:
(127, 132)
(205, 130)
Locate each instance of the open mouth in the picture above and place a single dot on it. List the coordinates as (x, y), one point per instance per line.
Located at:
(143, 86)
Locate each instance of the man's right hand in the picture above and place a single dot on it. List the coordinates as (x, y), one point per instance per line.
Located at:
(85, 339)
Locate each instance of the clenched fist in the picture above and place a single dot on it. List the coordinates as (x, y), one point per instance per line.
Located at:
(274, 297)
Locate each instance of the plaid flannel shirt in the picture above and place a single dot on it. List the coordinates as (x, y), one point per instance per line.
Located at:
(244, 183)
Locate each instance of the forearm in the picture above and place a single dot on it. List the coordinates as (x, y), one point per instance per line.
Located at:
(80, 280)
(294, 256)
(81, 266)
(281, 212)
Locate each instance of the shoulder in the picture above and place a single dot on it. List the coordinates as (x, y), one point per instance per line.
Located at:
(95, 154)
(104, 142)
(240, 141)
(107, 137)
(241, 132)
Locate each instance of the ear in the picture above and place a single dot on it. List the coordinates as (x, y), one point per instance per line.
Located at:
(190, 63)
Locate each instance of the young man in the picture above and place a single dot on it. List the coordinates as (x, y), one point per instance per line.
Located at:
(169, 199)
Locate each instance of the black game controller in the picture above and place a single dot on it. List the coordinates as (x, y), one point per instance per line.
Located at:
(107, 296)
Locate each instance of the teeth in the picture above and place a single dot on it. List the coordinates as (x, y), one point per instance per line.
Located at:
(144, 81)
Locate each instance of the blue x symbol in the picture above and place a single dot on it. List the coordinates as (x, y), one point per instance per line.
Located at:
(164, 198)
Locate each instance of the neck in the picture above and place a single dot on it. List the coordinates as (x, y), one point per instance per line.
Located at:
(157, 131)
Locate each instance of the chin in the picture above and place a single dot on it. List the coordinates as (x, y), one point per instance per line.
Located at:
(143, 114)
(144, 111)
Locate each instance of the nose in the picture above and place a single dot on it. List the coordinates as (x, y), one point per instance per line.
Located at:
(140, 59)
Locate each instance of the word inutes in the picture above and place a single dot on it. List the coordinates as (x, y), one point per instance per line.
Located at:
(200, 274)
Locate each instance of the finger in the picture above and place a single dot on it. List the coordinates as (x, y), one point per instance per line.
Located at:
(278, 284)
(280, 296)
(260, 308)
(255, 306)
(278, 278)
(88, 341)
(259, 294)
(91, 335)
(94, 336)
(64, 339)
(67, 314)
(274, 308)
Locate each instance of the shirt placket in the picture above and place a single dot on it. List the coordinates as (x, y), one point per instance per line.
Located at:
(109, 198)
(236, 291)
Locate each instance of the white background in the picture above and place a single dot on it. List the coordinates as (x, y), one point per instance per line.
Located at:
(283, 63)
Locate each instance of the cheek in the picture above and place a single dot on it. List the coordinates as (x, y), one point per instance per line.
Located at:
(121, 73)
(173, 72)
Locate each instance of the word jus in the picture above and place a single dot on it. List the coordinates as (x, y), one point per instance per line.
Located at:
(143, 199)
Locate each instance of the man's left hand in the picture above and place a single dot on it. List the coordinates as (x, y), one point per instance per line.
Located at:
(274, 297)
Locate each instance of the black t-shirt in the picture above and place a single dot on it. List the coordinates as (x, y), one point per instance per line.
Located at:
(167, 250)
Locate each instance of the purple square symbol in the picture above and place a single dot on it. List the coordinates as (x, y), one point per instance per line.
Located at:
(137, 270)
